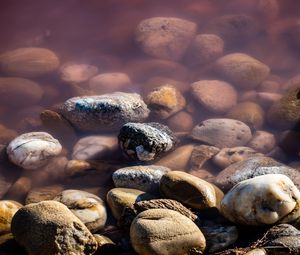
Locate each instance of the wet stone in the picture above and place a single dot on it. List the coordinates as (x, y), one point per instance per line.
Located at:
(262, 141)
(201, 154)
(180, 122)
(146, 141)
(222, 133)
(105, 245)
(49, 227)
(165, 232)
(144, 178)
(36, 195)
(33, 150)
(7, 210)
(77, 73)
(89, 208)
(262, 200)
(104, 113)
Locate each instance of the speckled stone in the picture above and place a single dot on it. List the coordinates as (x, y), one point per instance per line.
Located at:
(146, 141)
(33, 150)
(165, 232)
(222, 132)
(262, 200)
(105, 112)
(7, 210)
(89, 208)
(145, 178)
(49, 227)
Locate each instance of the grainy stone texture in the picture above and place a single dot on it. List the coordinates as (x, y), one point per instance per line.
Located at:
(146, 141)
(165, 37)
(222, 132)
(7, 210)
(104, 113)
(145, 178)
(28, 62)
(49, 227)
(89, 208)
(165, 232)
(201, 154)
(33, 150)
(43, 193)
(262, 200)
(262, 141)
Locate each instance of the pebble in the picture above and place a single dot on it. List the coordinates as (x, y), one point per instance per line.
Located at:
(269, 86)
(8, 208)
(197, 192)
(253, 167)
(291, 83)
(228, 156)
(201, 154)
(144, 178)
(285, 113)
(262, 200)
(257, 251)
(12, 89)
(207, 93)
(6, 134)
(180, 122)
(146, 141)
(44, 193)
(204, 49)
(104, 113)
(33, 150)
(109, 83)
(28, 62)
(165, 37)
(77, 73)
(89, 208)
(20, 188)
(105, 245)
(222, 133)
(49, 227)
(267, 99)
(248, 112)
(165, 101)
(242, 70)
(165, 232)
(96, 147)
(119, 198)
(262, 141)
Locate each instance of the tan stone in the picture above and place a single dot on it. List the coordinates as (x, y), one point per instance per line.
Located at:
(7, 210)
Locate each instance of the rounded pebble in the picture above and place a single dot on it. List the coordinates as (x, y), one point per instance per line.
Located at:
(262, 141)
(8, 208)
(77, 73)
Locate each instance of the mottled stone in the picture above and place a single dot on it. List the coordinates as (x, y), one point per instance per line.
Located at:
(28, 62)
(201, 154)
(262, 141)
(146, 141)
(144, 178)
(197, 192)
(222, 132)
(207, 93)
(7, 210)
(77, 73)
(89, 208)
(33, 150)
(49, 227)
(262, 200)
(104, 113)
(165, 37)
(165, 232)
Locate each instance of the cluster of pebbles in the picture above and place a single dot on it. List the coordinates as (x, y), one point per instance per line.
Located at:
(203, 157)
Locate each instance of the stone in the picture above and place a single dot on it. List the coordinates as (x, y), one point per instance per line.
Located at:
(104, 113)
(33, 150)
(201, 154)
(8, 208)
(77, 73)
(197, 192)
(178, 159)
(165, 101)
(165, 37)
(20, 188)
(269, 86)
(105, 245)
(180, 122)
(222, 133)
(165, 232)
(28, 62)
(257, 251)
(248, 112)
(262, 141)
(285, 113)
(109, 82)
(242, 70)
(207, 93)
(267, 99)
(262, 200)
(48, 228)
(253, 167)
(146, 141)
(89, 208)
(40, 194)
(6, 134)
(144, 178)
(12, 89)
(228, 156)
(96, 147)
(291, 83)
(204, 49)
(119, 198)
